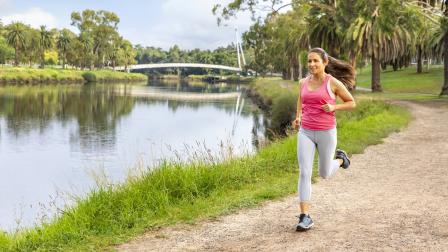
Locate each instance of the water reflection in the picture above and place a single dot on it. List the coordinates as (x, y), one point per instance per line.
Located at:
(51, 135)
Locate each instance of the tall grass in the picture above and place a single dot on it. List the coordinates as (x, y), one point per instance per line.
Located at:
(177, 192)
(110, 76)
(25, 75)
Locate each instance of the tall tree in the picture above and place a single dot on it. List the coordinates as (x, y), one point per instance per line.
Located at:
(32, 52)
(16, 37)
(382, 31)
(63, 44)
(322, 29)
(128, 53)
(86, 46)
(444, 28)
(45, 43)
(100, 27)
(6, 51)
(256, 39)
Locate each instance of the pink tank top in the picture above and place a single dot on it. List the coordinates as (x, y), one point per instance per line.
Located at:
(313, 116)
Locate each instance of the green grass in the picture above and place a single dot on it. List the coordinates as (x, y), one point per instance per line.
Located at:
(175, 193)
(26, 75)
(417, 97)
(270, 88)
(109, 76)
(406, 80)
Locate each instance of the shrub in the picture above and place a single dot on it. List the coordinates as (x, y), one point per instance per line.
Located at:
(89, 76)
(283, 112)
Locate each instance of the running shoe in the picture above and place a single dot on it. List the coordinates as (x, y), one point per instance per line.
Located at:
(305, 222)
(340, 154)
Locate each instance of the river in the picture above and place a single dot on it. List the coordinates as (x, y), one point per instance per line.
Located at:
(60, 141)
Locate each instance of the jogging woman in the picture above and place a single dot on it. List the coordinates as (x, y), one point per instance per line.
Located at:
(328, 78)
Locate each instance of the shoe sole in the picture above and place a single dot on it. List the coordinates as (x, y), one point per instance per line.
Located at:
(299, 228)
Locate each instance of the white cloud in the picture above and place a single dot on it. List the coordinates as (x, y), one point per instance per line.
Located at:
(190, 24)
(34, 17)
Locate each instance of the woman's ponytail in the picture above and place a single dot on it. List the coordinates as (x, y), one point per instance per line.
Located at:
(339, 69)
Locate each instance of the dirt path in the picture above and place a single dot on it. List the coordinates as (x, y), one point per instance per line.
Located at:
(393, 197)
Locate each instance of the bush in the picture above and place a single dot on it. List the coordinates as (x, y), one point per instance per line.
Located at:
(283, 112)
(89, 76)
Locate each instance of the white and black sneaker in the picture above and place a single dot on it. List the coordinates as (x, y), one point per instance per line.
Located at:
(340, 154)
(305, 222)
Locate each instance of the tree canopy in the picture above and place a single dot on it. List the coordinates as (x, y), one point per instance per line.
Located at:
(380, 32)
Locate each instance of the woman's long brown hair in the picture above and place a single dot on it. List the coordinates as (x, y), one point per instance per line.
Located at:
(337, 68)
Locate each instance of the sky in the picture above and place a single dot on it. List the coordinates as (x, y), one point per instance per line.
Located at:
(160, 23)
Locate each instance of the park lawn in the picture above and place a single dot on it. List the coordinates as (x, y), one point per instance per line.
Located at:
(405, 83)
(405, 80)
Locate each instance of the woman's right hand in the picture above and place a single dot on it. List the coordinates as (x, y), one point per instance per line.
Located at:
(296, 123)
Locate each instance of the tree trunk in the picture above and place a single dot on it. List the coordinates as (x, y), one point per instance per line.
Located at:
(395, 64)
(352, 60)
(295, 68)
(445, 63)
(419, 60)
(285, 74)
(16, 57)
(445, 57)
(376, 71)
(42, 60)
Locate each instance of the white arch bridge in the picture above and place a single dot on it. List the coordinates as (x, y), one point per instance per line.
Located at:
(177, 65)
(240, 56)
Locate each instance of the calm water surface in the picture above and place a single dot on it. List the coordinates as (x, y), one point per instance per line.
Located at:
(56, 140)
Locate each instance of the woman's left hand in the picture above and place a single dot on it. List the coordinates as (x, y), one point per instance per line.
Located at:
(328, 107)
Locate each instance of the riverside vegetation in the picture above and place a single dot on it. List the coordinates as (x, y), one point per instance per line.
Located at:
(17, 75)
(178, 192)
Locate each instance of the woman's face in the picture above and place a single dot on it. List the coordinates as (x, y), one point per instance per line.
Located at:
(316, 64)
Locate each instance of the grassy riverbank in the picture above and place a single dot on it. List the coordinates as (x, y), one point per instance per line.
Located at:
(226, 78)
(175, 193)
(25, 75)
(205, 78)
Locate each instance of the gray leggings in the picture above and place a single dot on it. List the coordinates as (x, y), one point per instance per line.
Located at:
(307, 141)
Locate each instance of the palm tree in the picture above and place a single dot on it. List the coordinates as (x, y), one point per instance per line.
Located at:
(87, 49)
(382, 32)
(438, 42)
(128, 53)
(45, 43)
(295, 40)
(322, 29)
(63, 43)
(16, 37)
(444, 25)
